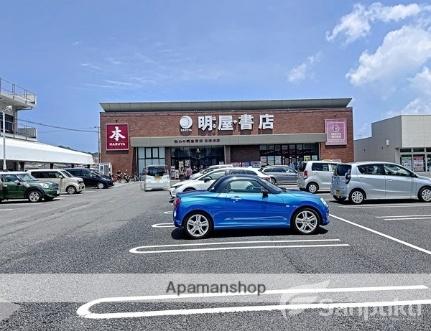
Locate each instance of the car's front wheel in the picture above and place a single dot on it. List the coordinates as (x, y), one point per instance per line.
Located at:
(34, 196)
(198, 225)
(189, 189)
(100, 185)
(71, 189)
(305, 221)
(425, 194)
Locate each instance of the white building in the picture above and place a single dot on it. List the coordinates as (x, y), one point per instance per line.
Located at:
(404, 139)
(22, 147)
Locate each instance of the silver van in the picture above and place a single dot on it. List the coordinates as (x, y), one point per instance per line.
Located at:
(67, 183)
(362, 181)
(314, 176)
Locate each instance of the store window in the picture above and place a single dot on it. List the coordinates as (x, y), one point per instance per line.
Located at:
(150, 156)
(419, 163)
(288, 154)
(406, 161)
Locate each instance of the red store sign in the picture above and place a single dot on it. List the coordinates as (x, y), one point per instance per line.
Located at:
(117, 137)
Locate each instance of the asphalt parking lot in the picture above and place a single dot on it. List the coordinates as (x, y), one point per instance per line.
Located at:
(105, 258)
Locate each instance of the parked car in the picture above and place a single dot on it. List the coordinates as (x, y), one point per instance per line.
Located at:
(67, 183)
(314, 176)
(362, 181)
(281, 174)
(205, 181)
(156, 177)
(91, 177)
(243, 202)
(21, 185)
(209, 169)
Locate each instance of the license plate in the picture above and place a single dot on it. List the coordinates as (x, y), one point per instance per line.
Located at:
(58, 192)
(337, 193)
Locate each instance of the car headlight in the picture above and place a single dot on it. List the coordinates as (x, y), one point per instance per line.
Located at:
(44, 185)
(324, 202)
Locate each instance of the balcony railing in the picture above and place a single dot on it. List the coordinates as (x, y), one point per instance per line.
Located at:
(15, 92)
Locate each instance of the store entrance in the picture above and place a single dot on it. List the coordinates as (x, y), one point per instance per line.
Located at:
(196, 157)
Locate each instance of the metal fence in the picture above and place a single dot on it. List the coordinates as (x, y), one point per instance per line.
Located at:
(13, 91)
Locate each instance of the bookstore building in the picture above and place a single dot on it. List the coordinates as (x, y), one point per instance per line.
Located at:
(244, 133)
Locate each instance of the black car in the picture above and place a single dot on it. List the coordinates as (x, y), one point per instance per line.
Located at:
(91, 177)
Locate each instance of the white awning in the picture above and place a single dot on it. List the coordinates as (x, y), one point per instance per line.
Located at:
(30, 151)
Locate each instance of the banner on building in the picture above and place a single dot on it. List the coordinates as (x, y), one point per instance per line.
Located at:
(336, 131)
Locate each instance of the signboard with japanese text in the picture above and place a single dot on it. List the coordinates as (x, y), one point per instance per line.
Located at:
(336, 131)
(228, 123)
(117, 137)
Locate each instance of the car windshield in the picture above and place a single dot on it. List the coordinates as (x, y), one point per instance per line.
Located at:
(66, 173)
(26, 178)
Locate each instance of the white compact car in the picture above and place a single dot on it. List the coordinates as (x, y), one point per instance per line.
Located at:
(314, 176)
(67, 183)
(156, 178)
(205, 181)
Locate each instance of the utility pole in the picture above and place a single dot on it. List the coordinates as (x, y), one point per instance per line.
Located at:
(98, 143)
(4, 136)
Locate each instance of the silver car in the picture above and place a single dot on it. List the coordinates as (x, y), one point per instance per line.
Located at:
(314, 176)
(362, 181)
(281, 174)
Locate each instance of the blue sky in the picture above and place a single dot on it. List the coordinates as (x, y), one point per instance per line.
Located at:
(75, 54)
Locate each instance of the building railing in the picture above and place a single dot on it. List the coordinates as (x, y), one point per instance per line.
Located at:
(13, 91)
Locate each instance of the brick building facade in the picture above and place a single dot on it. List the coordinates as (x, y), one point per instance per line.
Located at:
(199, 134)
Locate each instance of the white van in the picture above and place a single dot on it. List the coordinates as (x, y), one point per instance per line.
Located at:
(156, 177)
(67, 183)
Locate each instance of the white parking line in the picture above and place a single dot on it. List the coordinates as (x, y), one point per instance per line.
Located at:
(383, 235)
(374, 206)
(84, 310)
(167, 212)
(235, 248)
(401, 216)
(407, 218)
(6, 209)
(236, 242)
(163, 225)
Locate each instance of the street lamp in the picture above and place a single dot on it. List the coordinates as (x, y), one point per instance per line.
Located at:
(98, 142)
(9, 108)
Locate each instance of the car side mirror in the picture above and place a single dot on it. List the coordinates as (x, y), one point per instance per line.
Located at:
(17, 182)
(206, 179)
(265, 193)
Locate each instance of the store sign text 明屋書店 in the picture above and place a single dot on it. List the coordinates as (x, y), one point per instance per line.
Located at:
(211, 123)
(117, 137)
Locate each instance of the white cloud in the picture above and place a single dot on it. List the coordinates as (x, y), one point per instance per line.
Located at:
(303, 70)
(402, 52)
(357, 24)
(422, 82)
(418, 106)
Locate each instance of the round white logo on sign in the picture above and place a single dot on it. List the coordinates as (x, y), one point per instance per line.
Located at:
(186, 122)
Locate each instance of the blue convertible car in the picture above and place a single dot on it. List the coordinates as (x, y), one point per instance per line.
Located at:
(244, 201)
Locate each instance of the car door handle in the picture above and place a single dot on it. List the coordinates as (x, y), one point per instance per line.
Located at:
(236, 198)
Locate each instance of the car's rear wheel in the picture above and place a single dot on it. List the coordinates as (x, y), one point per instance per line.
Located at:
(312, 188)
(273, 180)
(425, 194)
(305, 221)
(34, 196)
(357, 197)
(198, 225)
(71, 189)
(189, 189)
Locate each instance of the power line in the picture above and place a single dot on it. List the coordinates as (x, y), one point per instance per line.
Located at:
(57, 127)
